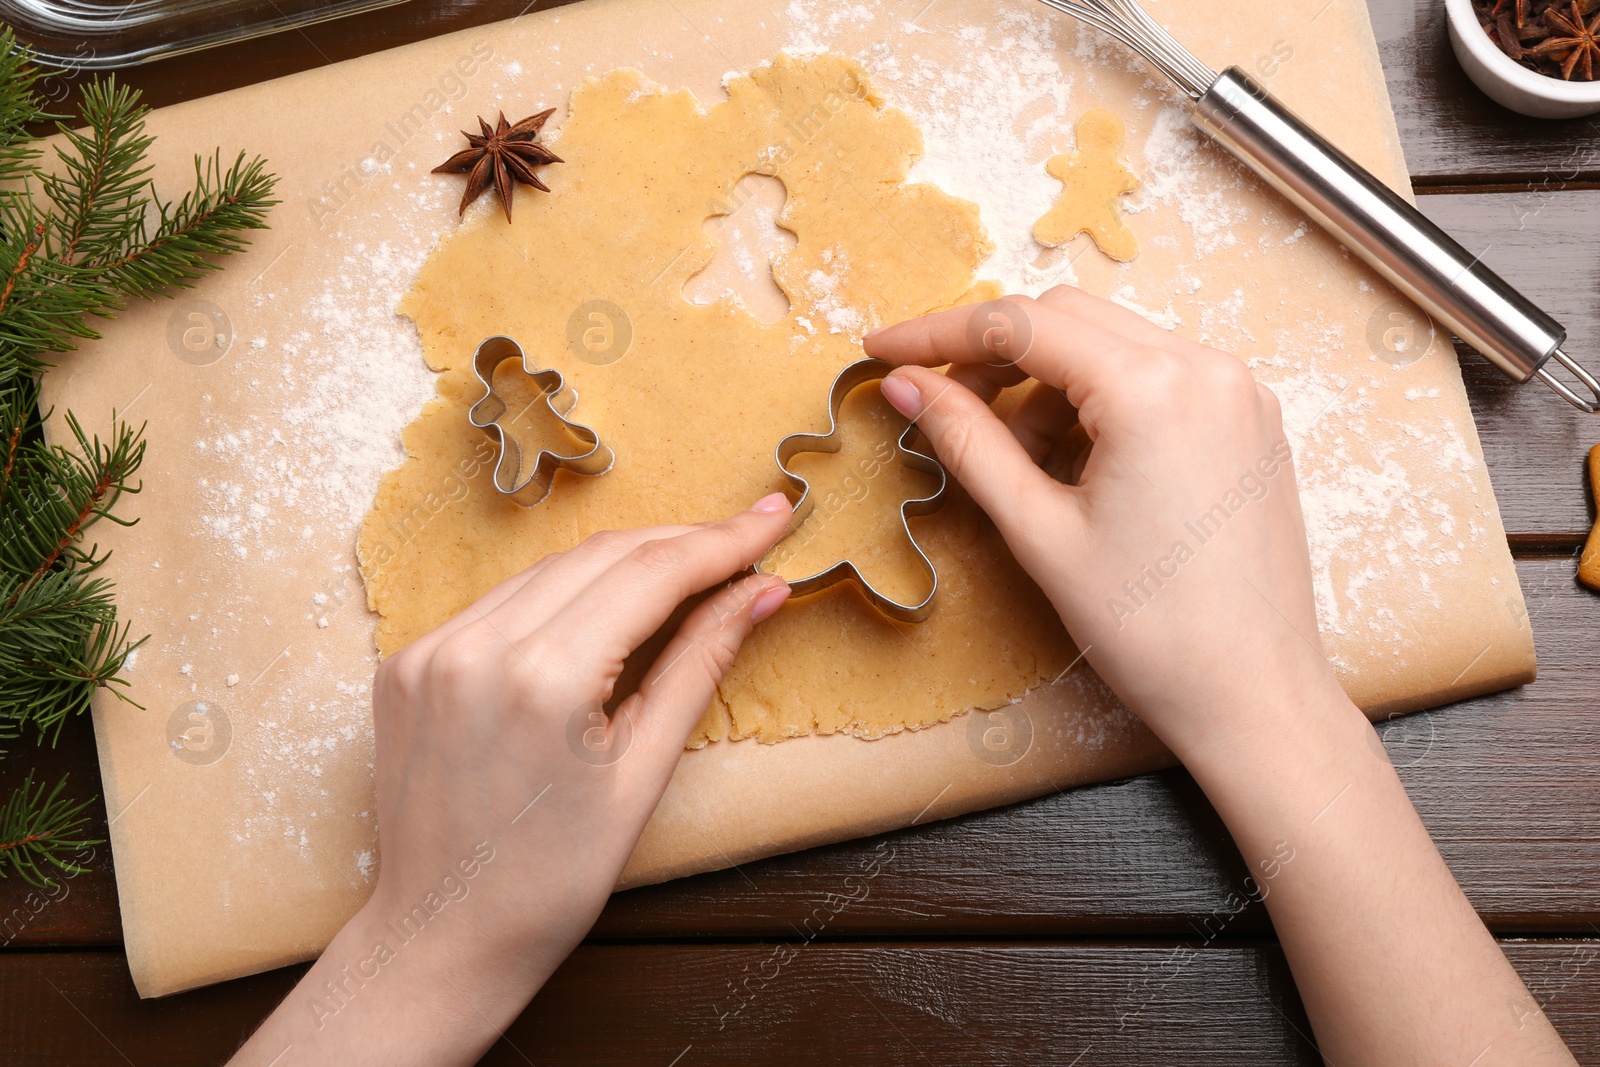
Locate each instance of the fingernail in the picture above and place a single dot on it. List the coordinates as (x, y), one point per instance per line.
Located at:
(875, 331)
(770, 503)
(769, 602)
(903, 395)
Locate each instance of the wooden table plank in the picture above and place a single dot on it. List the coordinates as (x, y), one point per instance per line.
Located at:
(1506, 783)
(790, 1002)
(1544, 243)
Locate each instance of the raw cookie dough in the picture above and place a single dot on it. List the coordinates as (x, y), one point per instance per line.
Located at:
(1091, 180)
(694, 398)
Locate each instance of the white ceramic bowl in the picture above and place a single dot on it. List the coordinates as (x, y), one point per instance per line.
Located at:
(1509, 82)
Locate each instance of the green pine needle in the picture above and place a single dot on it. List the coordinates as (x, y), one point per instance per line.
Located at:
(20, 108)
(49, 495)
(36, 829)
(69, 644)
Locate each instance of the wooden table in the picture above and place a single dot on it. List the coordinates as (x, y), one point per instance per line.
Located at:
(1076, 925)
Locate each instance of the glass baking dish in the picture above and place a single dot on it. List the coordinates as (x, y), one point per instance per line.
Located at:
(85, 35)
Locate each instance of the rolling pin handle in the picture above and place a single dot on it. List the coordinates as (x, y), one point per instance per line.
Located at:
(1591, 406)
(1389, 233)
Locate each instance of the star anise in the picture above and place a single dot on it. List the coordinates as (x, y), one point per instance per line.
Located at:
(1504, 34)
(1580, 48)
(502, 155)
(1538, 35)
(1519, 9)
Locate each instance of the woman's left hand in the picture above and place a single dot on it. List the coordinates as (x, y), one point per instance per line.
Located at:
(508, 801)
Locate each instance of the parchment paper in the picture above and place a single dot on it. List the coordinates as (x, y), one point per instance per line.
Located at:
(240, 796)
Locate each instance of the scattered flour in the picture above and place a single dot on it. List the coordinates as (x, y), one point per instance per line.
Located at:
(287, 488)
(1172, 175)
(354, 377)
(989, 126)
(1365, 516)
(823, 285)
(1167, 319)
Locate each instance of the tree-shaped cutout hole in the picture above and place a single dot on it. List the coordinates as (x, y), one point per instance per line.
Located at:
(747, 238)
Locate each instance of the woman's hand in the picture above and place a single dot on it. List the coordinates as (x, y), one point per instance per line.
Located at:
(1178, 561)
(508, 801)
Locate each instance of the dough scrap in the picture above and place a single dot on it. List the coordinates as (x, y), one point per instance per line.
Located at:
(1092, 179)
(695, 406)
(1589, 562)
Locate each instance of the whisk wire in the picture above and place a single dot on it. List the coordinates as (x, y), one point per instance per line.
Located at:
(1131, 24)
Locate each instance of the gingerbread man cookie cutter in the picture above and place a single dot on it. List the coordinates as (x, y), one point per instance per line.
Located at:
(850, 379)
(587, 456)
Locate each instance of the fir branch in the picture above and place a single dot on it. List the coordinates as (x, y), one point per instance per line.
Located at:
(67, 644)
(63, 641)
(99, 206)
(207, 222)
(36, 829)
(20, 108)
(45, 301)
(65, 490)
(107, 235)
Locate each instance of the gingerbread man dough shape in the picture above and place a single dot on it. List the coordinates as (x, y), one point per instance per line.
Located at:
(1589, 563)
(1091, 180)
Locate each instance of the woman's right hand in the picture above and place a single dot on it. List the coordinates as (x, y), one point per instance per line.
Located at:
(1179, 564)
(1182, 543)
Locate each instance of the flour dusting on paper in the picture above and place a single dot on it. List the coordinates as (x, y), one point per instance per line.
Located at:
(357, 370)
(353, 375)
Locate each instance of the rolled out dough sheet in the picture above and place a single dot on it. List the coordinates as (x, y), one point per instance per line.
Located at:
(266, 448)
(696, 403)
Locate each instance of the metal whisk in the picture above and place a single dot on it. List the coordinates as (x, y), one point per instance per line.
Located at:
(1343, 198)
(1129, 23)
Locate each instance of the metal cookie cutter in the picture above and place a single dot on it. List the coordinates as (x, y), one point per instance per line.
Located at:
(858, 374)
(587, 457)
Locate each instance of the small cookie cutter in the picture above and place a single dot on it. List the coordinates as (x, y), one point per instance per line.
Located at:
(589, 457)
(849, 379)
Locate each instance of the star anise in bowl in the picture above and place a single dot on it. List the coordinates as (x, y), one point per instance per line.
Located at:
(1557, 38)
